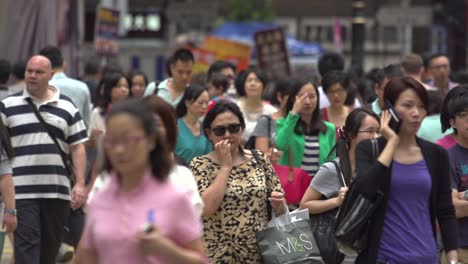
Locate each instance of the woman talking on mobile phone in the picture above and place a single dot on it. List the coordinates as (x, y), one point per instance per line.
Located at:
(412, 174)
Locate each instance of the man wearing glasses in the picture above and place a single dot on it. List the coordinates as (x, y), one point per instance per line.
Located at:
(439, 68)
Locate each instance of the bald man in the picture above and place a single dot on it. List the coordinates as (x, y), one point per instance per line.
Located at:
(41, 179)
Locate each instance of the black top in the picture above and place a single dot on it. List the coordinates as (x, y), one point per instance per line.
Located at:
(372, 176)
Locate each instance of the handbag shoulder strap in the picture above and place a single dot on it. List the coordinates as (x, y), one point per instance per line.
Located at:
(375, 149)
(256, 157)
(340, 173)
(51, 135)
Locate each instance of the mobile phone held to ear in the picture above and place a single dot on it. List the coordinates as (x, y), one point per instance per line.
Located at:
(395, 121)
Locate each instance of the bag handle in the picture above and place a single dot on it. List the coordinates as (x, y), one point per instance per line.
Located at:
(286, 212)
(340, 173)
(51, 135)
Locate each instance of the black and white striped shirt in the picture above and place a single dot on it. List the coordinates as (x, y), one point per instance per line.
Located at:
(38, 169)
(310, 162)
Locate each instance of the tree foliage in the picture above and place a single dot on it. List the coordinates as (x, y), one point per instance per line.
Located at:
(248, 10)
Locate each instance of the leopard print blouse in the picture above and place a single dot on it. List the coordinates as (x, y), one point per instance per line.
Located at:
(229, 234)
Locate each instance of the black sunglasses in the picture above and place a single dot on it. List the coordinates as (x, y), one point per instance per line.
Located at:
(221, 130)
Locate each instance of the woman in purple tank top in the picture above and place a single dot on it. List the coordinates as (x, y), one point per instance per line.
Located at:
(412, 174)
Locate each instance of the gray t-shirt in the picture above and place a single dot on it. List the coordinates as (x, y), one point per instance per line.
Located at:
(261, 129)
(327, 181)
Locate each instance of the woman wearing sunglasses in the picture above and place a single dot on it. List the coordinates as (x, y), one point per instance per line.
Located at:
(234, 188)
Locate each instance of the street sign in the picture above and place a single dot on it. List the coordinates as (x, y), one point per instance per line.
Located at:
(272, 53)
(106, 31)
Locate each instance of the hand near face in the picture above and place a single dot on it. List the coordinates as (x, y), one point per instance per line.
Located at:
(223, 153)
(299, 103)
(386, 131)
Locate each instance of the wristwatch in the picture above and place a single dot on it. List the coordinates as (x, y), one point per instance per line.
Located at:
(11, 211)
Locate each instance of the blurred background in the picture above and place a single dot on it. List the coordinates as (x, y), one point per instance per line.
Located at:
(140, 34)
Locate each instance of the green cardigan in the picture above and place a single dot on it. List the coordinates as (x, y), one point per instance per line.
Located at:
(286, 137)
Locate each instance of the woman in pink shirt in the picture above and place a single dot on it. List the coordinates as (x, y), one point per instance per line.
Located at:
(141, 217)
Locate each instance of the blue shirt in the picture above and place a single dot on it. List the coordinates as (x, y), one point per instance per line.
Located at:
(189, 146)
(458, 157)
(376, 107)
(431, 129)
(407, 235)
(77, 91)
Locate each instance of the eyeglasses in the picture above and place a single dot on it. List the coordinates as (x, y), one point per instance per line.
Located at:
(123, 141)
(221, 130)
(375, 132)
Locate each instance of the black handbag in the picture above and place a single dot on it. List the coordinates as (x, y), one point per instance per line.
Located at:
(355, 216)
(323, 227)
(67, 162)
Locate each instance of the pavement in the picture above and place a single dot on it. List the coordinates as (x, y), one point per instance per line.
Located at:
(7, 256)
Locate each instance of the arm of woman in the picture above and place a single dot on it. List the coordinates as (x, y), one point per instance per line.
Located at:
(262, 144)
(325, 183)
(285, 130)
(311, 201)
(273, 185)
(212, 190)
(445, 209)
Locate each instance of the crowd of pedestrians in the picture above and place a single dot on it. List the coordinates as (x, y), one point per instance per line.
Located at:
(116, 168)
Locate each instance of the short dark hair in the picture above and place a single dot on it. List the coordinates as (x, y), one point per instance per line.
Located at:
(184, 55)
(412, 63)
(54, 54)
(242, 78)
(18, 70)
(220, 107)
(5, 70)
(92, 66)
(457, 105)
(160, 156)
(396, 86)
(435, 102)
(393, 71)
(220, 80)
(217, 67)
(137, 73)
(434, 56)
(330, 61)
(333, 77)
(192, 92)
(376, 76)
(317, 124)
(167, 115)
(282, 88)
(452, 94)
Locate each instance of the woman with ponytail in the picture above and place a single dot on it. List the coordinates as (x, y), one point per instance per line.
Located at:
(326, 191)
